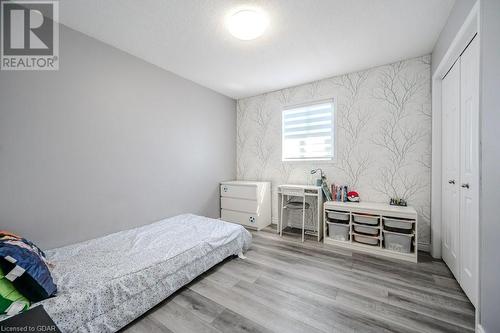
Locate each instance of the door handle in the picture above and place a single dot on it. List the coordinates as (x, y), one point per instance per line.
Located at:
(465, 185)
(451, 181)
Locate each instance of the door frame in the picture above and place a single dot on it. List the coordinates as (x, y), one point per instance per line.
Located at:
(469, 29)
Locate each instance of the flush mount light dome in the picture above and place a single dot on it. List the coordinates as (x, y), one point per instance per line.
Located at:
(247, 24)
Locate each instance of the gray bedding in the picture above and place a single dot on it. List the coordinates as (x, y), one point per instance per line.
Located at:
(105, 283)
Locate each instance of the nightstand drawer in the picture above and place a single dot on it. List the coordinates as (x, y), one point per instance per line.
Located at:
(241, 205)
(239, 191)
(246, 219)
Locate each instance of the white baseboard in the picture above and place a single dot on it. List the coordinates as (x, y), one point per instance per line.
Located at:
(424, 247)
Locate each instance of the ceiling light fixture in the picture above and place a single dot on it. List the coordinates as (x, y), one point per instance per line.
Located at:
(247, 24)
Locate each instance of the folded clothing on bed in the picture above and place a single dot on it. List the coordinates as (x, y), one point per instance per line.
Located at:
(11, 300)
(24, 265)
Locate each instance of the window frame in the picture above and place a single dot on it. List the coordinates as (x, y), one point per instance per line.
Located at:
(328, 160)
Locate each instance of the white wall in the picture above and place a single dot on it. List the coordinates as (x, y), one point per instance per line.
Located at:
(106, 143)
(383, 135)
(490, 166)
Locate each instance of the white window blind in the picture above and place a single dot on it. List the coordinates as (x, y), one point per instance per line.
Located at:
(308, 132)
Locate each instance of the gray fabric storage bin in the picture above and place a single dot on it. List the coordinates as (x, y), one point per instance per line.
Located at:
(397, 242)
(337, 217)
(368, 240)
(366, 219)
(398, 223)
(338, 231)
(366, 230)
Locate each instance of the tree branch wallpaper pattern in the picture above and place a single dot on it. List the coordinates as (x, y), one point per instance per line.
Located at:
(383, 135)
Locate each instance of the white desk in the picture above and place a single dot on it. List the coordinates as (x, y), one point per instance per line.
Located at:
(310, 191)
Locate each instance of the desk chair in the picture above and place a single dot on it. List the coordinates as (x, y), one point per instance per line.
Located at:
(288, 203)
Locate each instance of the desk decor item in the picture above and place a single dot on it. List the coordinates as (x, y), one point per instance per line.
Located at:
(398, 202)
(326, 191)
(322, 182)
(353, 196)
(319, 181)
(340, 193)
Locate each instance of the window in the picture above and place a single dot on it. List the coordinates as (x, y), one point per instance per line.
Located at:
(308, 132)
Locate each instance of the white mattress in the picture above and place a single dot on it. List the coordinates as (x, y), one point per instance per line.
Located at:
(105, 283)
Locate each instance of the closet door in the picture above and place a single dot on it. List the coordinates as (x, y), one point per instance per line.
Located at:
(469, 169)
(451, 172)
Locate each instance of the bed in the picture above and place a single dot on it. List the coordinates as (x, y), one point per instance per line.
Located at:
(105, 283)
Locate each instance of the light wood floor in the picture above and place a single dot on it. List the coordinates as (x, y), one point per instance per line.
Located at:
(288, 286)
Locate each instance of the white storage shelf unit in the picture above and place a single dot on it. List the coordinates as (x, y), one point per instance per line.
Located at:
(246, 202)
(377, 228)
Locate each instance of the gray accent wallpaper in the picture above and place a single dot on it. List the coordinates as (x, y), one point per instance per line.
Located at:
(383, 135)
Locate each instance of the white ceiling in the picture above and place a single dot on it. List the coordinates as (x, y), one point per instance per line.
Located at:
(306, 40)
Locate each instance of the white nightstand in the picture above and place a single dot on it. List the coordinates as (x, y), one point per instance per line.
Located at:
(246, 202)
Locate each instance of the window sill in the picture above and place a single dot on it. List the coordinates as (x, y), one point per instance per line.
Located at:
(307, 161)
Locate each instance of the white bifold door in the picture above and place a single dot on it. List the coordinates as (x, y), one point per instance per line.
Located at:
(460, 188)
(451, 169)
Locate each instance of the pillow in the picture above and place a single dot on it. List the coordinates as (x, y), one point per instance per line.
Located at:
(25, 265)
(11, 300)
